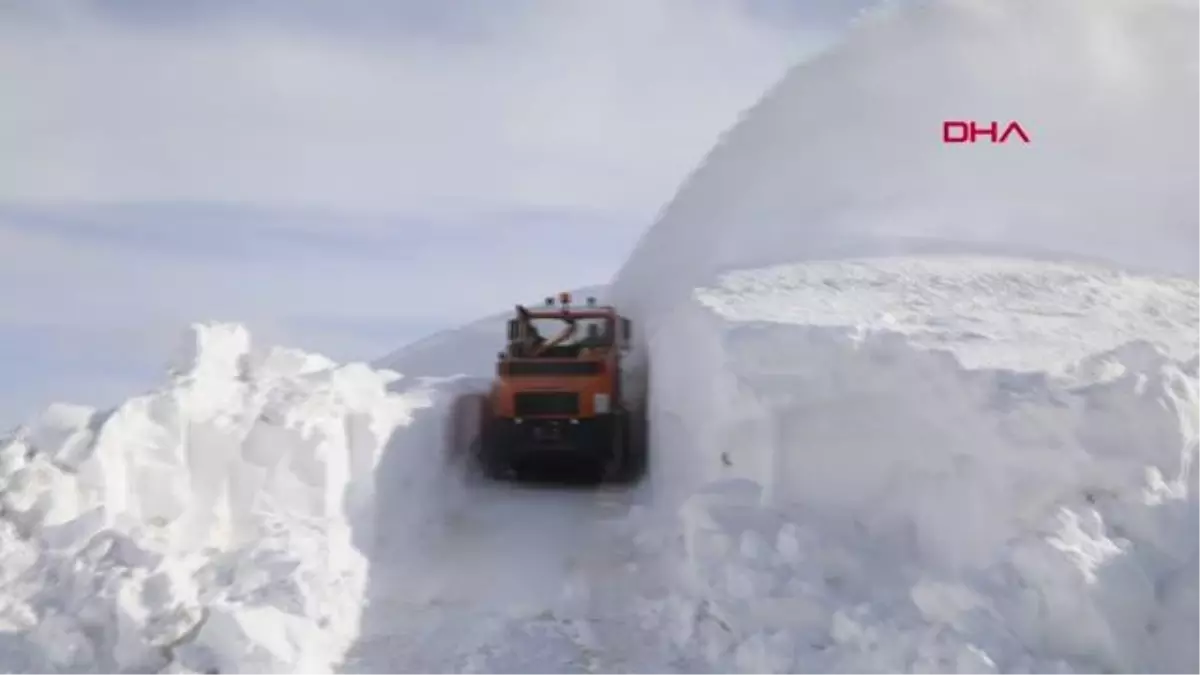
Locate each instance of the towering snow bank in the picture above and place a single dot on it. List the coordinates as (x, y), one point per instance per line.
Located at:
(862, 500)
(204, 525)
(845, 156)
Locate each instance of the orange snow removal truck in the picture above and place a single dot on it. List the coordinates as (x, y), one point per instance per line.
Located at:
(561, 398)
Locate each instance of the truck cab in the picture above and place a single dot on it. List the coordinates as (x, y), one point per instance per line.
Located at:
(557, 390)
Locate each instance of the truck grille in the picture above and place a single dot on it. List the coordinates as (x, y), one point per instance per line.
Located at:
(533, 367)
(546, 403)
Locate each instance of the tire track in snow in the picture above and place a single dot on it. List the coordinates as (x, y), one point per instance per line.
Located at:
(468, 575)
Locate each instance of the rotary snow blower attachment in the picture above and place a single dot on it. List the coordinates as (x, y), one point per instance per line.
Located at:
(561, 407)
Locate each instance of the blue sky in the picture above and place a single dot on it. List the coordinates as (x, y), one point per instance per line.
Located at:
(343, 177)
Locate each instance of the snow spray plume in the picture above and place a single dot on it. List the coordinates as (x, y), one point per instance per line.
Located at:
(845, 156)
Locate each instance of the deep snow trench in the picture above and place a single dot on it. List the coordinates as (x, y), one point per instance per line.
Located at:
(840, 482)
(898, 462)
(996, 474)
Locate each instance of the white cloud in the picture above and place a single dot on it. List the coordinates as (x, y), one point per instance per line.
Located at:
(560, 105)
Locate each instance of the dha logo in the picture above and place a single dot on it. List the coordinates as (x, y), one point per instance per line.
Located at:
(967, 131)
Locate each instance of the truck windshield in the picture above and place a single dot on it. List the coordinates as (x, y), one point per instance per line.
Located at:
(593, 331)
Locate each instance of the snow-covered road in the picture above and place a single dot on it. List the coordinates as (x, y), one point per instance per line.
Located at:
(859, 435)
(469, 575)
(498, 583)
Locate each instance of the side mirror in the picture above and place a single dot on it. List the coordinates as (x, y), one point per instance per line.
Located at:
(626, 330)
(514, 329)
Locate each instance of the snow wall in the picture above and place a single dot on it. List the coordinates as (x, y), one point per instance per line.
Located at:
(845, 156)
(854, 502)
(207, 525)
(974, 484)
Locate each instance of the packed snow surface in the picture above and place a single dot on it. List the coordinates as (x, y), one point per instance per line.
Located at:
(1016, 314)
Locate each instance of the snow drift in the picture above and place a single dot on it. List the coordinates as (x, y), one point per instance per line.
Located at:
(205, 525)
